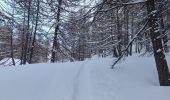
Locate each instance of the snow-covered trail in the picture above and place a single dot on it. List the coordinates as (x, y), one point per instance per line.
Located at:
(82, 88)
(74, 83)
(93, 83)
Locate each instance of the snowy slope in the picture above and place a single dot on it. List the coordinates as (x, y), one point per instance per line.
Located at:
(133, 79)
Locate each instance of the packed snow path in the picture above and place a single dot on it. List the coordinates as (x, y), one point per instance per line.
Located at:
(133, 79)
(81, 86)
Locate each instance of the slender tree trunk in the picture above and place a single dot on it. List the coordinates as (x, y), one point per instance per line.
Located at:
(27, 34)
(132, 33)
(118, 31)
(55, 41)
(12, 50)
(11, 36)
(35, 32)
(22, 41)
(126, 38)
(161, 63)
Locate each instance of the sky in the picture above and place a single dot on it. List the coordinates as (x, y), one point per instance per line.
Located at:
(4, 7)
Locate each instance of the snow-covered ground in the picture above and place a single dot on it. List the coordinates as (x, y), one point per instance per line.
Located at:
(132, 79)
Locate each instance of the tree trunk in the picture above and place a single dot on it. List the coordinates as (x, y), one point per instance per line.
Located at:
(35, 33)
(118, 31)
(131, 35)
(12, 50)
(55, 41)
(22, 41)
(27, 34)
(161, 63)
(126, 38)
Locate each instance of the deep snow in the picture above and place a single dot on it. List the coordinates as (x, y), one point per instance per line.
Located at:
(132, 79)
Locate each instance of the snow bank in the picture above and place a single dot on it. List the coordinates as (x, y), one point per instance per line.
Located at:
(133, 79)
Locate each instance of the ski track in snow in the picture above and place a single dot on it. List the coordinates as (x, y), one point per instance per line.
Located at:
(81, 85)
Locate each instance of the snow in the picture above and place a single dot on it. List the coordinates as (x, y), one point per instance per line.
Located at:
(153, 12)
(132, 79)
(156, 31)
(159, 50)
(135, 2)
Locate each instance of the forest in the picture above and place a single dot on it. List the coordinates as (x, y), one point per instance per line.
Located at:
(44, 31)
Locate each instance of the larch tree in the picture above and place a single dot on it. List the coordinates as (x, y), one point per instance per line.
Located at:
(161, 63)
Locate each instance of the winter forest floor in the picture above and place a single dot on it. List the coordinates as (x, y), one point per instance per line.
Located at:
(134, 78)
